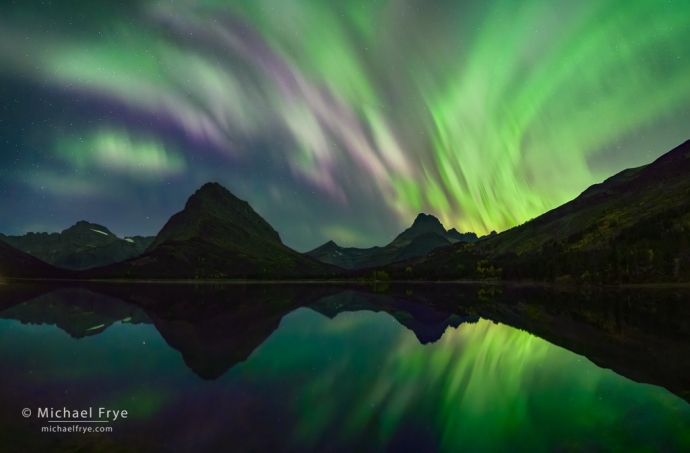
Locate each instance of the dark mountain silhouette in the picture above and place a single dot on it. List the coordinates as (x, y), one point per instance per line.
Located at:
(217, 235)
(632, 228)
(214, 202)
(17, 264)
(345, 257)
(422, 245)
(81, 246)
(603, 210)
(465, 237)
(425, 234)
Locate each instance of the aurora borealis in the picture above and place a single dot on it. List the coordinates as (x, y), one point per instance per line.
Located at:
(334, 120)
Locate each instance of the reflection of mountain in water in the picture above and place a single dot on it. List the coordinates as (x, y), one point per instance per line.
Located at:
(77, 311)
(212, 344)
(215, 327)
(427, 323)
(644, 336)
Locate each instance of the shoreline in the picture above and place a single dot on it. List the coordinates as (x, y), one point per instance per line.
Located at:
(517, 283)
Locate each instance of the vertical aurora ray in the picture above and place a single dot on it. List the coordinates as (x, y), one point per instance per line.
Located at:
(484, 113)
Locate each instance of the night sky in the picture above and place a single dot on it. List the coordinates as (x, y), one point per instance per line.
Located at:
(334, 119)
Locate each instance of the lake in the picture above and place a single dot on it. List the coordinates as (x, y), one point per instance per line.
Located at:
(326, 368)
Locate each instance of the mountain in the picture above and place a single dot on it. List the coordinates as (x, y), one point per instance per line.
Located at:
(466, 237)
(425, 234)
(603, 210)
(17, 264)
(632, 228)
(345, 257)
(81, 246)
(216, 235)
(422, 245)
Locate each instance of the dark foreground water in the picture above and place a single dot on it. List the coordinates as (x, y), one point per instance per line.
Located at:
(249, 368)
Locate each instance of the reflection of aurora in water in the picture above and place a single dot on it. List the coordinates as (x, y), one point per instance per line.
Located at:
(482, 386)
(357, 382)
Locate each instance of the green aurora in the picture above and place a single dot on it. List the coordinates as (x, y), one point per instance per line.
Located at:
(482, 386)
(483, 113)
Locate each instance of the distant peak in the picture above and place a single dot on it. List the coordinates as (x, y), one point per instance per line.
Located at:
(90, 225)
(330, 245)
(422, 224)
(425, 219)
(84, 223)
(466, 237)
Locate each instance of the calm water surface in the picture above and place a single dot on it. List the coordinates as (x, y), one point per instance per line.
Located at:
(348, 371)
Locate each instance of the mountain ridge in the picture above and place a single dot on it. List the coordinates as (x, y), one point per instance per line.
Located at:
(424, 235)
(83, 245)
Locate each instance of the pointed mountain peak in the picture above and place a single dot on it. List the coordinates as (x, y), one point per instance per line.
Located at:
(426, 220)
(211, 194)
(328, 247)
(215, 204)
(422, 224)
